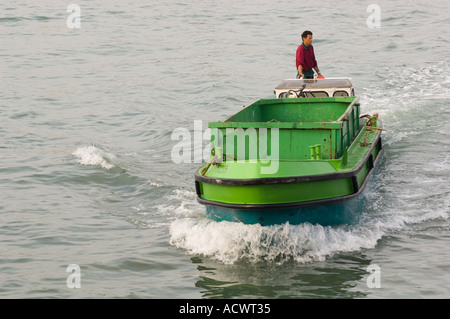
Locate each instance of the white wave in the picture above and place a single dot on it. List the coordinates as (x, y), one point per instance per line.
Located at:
(155, 184)
(230, 242)
(179, 203)
(405, 88)
(183, 204)
(91, 155)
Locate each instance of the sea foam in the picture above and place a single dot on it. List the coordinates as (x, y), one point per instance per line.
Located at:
(91, 155)
(231, 242)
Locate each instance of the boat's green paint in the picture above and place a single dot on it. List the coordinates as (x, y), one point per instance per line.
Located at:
(330, 122)
(321, 153)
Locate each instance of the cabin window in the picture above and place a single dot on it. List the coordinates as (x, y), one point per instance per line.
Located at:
(340, 93)
(316, 94)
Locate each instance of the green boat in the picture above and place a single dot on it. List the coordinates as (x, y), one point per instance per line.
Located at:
(304, 156)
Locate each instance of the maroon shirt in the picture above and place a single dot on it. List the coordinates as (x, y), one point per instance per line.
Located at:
(305, 58)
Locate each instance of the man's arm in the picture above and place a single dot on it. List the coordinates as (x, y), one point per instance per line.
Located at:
(316, 67)
(317, 70)
(300, 61)
(300, 73)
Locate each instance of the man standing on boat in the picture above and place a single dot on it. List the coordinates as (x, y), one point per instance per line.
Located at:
(305, 58)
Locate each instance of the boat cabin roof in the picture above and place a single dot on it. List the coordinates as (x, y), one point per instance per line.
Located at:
(331, 87)
(293, 84)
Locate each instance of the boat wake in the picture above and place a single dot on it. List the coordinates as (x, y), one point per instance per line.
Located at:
(231, 242)
(91, 155)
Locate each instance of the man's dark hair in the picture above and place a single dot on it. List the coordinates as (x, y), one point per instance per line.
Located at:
(306, 33)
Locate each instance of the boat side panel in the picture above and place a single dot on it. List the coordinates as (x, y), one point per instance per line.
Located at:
(292, 144)
(276, 193)
(293, 110)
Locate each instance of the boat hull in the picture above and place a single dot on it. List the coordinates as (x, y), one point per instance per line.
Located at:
(339, 212)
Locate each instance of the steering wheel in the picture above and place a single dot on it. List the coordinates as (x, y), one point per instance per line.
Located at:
(298, 93)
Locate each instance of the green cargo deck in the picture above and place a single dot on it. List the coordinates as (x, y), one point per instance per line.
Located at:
(330, 122)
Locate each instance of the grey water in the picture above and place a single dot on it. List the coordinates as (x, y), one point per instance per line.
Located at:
(87, 176)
